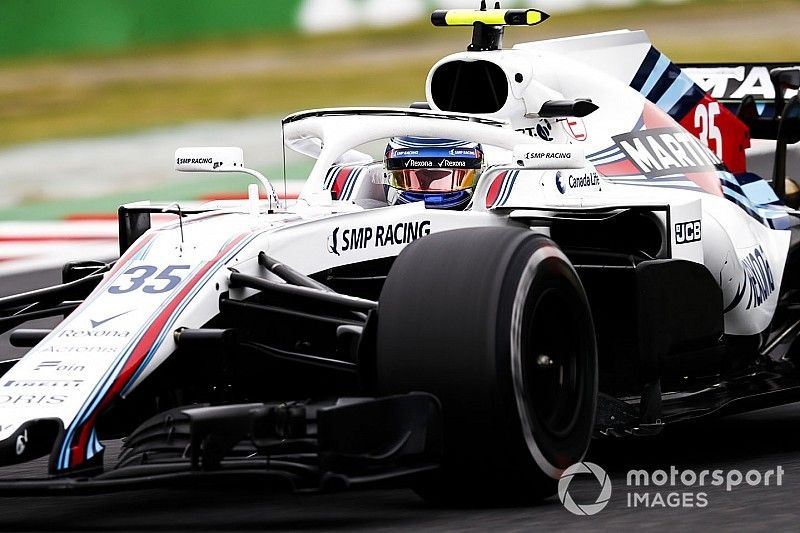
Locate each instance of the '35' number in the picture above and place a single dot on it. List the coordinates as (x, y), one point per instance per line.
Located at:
(166, 280)
(705, 122)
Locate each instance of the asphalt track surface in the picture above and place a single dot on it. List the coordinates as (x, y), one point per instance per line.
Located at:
(757, 441)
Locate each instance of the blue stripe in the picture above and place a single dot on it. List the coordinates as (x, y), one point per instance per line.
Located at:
(613, 158)
(727, 177)
(686, 103)
(784, 222)
(167, 329)
(610, 149)
(658, 70)
(63, 456)
(733, 187)
(143, 252)
(113, 371)
(94, 444)
(350, 184)
(331, 175)
(755, 189)
(662, 85)
(651, 185)
(676, 91)
(662, 179)
(759, 192)
(735, 198)
(116, 367)
(63, 460)
(503, 188)
(99, 389)
(511, 179)
(650, 59)
(748, 177)
(761, 212)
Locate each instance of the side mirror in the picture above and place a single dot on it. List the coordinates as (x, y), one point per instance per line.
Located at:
(209, 159)
(224, 159)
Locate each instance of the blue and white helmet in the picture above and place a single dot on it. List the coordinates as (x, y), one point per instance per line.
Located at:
(440, 172)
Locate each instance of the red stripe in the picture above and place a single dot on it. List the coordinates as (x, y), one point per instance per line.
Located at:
(340, 181)
(78, 450)
(494, 189)
(122, 261)
(90, 217)
(709, 181)
(57, 238)
(620, 168)
(654, 117)
(131, 252)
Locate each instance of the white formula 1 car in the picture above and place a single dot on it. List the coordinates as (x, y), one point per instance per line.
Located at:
(618, 269)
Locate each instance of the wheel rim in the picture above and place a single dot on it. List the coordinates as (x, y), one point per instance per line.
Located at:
(556, 415)
(551, 347)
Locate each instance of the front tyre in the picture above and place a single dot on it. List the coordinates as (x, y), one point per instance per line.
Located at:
(496, 324)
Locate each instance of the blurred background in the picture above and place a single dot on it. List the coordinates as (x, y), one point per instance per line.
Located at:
(95, 95)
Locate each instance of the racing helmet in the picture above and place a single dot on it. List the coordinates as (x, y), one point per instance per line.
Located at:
(440, 172)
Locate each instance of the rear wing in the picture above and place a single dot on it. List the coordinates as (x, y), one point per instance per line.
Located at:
(763, 96)
(756, 93)
(733, 83)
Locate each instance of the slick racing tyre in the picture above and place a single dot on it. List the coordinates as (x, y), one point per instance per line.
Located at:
(496, 324)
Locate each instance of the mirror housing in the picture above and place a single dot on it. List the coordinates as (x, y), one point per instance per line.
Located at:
(224, 159)
(209, 159)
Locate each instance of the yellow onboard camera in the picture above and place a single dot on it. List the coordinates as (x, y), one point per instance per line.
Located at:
(487, 24)
(490, 17)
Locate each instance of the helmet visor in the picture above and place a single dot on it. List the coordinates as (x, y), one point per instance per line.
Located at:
(433, 179)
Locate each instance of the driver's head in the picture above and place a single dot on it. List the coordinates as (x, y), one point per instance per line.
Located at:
(440, 172)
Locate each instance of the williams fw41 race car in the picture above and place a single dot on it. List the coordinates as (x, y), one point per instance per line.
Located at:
(565, 241)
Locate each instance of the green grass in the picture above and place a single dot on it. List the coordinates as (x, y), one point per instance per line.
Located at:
(75, 95)
(120, 107)
(199, 186)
